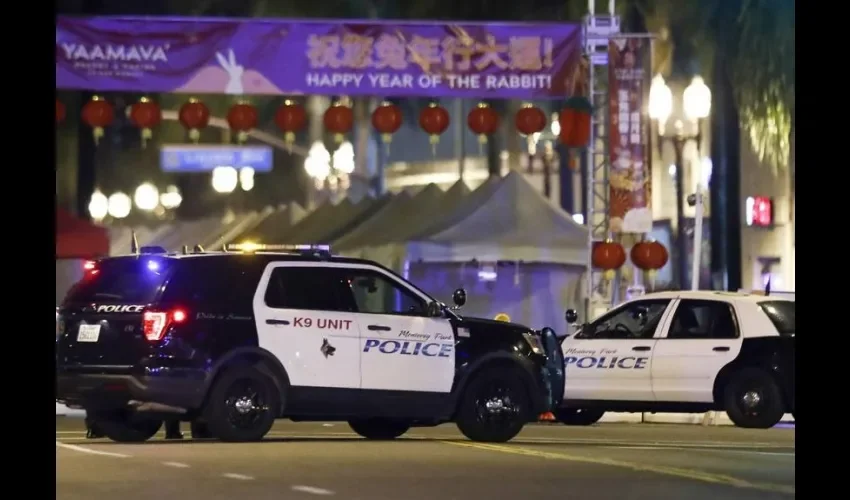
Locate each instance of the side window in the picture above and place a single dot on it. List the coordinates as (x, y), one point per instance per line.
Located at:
(213, 282)
(376, 293)
(637, 320)
(703, 319)
(311, 288)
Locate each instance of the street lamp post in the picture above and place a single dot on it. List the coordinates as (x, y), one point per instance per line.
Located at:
(696, 104)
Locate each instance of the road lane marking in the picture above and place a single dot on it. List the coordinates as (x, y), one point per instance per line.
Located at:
(241, 477)
(682, 448)
(90, 451)
(178, 465)
(312, 490)
(691, 474)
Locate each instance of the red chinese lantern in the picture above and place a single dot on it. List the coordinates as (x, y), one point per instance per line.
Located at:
(290, 118)
(574, 120)
(194, 115)
(98, 114)
(435, 120)
(608, 256)
(530, 120)
(242, 118)
(146, 115)
(339, 119)
(649, 256)
(387, 120)
(60, 112)
(483, 120)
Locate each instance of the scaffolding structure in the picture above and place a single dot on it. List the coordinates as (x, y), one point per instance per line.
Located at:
(597, 32)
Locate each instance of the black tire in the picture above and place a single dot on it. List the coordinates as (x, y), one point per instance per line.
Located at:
(242, 405)
(752, 399)
(379, 428)
(510, 410)
(578, 416)
(127, 428)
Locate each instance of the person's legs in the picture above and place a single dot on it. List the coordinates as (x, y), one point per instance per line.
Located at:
(172, 429)
(92, 429)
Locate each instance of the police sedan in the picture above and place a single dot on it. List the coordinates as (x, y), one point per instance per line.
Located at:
(684, 351)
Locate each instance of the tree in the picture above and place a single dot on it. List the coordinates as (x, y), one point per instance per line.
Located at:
(755, 40)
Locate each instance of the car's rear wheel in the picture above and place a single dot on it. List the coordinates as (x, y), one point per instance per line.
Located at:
(242, 405)
(123, 427)
(752, 399)
(494, 407)
(379, 428)
(578, 416)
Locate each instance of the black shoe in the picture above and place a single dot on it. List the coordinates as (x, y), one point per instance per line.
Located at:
(92, 434)
(176, 436)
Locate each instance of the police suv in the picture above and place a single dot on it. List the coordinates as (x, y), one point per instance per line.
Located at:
(233, 340)
(688, 351)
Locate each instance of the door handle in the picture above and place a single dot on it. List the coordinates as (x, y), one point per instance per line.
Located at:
(277, 322)
(378, 328)
(641, 348)
(721, 349)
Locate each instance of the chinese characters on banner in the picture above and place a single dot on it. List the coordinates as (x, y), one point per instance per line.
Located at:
(630, 182)
(522, 61)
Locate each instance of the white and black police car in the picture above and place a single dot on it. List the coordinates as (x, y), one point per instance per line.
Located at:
(233, 340)
(683, 351)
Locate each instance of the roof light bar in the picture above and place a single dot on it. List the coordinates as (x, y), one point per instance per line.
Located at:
(262, 247)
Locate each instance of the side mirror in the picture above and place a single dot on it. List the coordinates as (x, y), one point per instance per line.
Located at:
(434, 310)
(571, 316)
(459, 297)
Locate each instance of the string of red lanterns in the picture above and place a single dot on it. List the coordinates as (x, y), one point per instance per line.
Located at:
(387, 119)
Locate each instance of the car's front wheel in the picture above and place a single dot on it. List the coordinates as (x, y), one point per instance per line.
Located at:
(578, 416)
(242, 405)
(379, 428)
(494, 407)
(752, 399)
(123, 427)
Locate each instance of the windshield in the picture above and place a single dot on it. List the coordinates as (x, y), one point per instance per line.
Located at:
(783, 315)
(126, 281)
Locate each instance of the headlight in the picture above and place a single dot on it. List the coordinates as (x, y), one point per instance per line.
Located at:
(534, 342)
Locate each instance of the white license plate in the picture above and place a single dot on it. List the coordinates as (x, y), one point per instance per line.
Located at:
(88, 333)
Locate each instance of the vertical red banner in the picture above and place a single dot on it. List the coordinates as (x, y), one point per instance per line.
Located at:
(630, 179)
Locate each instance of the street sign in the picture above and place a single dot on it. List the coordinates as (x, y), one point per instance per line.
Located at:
(189, 158)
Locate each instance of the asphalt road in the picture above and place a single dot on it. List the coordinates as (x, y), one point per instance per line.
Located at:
(308, 460)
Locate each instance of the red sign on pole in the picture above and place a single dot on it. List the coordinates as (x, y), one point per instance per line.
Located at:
(630, 176)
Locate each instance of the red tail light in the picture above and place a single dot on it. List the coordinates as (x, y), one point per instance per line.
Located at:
(89, 265)
(156, 323)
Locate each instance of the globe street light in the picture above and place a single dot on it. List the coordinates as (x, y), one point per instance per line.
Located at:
(119, 205)
(171, 198)
(318, 163)
(98, 206)
(224, 179)
(146, 197)
(696, 104)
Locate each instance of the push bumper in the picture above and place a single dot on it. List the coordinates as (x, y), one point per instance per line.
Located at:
(109, 391)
